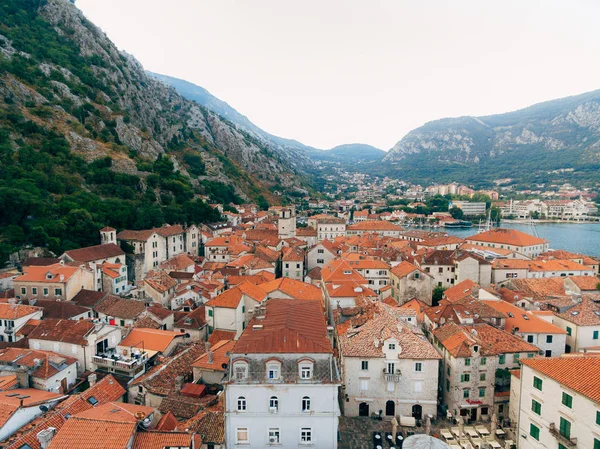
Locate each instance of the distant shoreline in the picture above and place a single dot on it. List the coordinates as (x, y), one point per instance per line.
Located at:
(544, 221)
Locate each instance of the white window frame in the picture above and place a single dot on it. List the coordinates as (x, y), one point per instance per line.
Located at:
(273, 404)
(306, 435)
(237, 435)
(306, 404)
(275, 368)
(306, 368)
(418, 367)
(242, 404)
(276, 431)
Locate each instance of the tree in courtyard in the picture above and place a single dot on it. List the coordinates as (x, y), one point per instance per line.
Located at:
(457, 213)
(438, 294)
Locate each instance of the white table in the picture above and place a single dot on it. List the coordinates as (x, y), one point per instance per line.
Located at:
(482, 430)
(446, 434)
(495, 444)
(471, 432)
(500, 432)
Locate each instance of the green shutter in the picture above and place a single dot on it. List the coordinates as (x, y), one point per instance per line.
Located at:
(467, 362)
(565, 428)
(537, 383)
(482, 392)
(568, 330)
(501, 359)
(567, 400)
(483, 360)
(595, 335)
(536, 407)
(534, 431)
(598, 418)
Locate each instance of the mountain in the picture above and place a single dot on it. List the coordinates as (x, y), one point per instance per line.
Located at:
(88, 139)
(303, 154)
(547, 142)
(353, 152)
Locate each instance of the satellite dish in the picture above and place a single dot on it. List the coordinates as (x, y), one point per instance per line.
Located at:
(44, 408)
(224, 366)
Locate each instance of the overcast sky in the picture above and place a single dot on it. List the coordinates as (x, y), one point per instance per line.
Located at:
(329, 72)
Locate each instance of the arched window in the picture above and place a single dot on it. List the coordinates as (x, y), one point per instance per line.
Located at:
(305, 369)
(273, 404)
(305, 404)
(273, 370)
(240, 370)
(241, 404)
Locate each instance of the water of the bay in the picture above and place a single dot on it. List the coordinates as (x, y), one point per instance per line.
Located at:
(575, 238)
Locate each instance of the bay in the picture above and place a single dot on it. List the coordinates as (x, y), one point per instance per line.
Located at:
(575, 238)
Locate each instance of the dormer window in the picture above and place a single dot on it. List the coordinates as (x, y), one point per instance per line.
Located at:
(240, 370)
(306, 370)
(273, 370)
(49, 275)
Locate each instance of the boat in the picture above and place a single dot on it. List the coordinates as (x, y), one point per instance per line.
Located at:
(458, 224)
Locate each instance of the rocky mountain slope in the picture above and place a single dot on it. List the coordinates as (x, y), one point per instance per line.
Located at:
(351, 153)
(530, 144)
(87, 138)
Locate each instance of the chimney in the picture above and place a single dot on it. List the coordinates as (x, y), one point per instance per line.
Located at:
(211, 357)
(207, 346)
(92, 378)
(45, 436)
(178, 383)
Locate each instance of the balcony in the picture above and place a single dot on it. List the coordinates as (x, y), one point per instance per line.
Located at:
(568, 442)
(391, 377)
(116, 363)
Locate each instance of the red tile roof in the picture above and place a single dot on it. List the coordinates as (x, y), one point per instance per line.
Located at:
(150, 339)
(289, 326)
(67, 331)
(374, 226)
(460, 290)
(293, 288)
(161, 440)
(221, 351)
(98, 252)
(580, 374)
(47, 274)
(507, 237)
(220, 335)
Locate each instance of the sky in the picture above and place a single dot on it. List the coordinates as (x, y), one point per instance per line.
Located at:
(332, 72)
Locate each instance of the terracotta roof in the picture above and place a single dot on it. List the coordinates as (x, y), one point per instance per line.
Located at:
(220, 335)
(539, 287)
(209, 426)
(441, 241)
(147, 321)
(40, 261)
(43, 364)
(50, 274)
(460, 290)
(107, 229)
(8, 382)
(159, 311)
(161, 440)
(221, 351)
(348, 289)
(340, 270)
(88, 298)
(306, 232)
(416, 305)
(67, 331)
(292, 255)
(114, 306)
(231, 298)
(585, 283)
(159, 281)
(160, 379)
(557, 265)
(314, 274)
(374, 226)
(98, 252)
(256, 279)
(404, 268)
(526, 322)
(93, 434)
(10, 403)
(168, 422)
(293, 288)
(367, 340)
(289, 326)
(458, 340)
(16, 311)
(106, 390)
(580, 374)
(177, 263)
(507, 237)
(196, 319)
(152, 339)
(585, 313)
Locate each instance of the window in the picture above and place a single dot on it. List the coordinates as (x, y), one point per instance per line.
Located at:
(391, 368)
(537, 383)
(568, 330)
(598, 418)
(567, 400)
(516, 358)
(305, 435)
(34, 290)
(305, 404)
(536, 407)
(548, 338)
(548, 353)
(530, 339)
(466, 377)
(305, 372)
(481, 377)
(467, 362)
(273, 371)
(274, 435)
(364, 365)
(273, 404)
(210, 312)
(483, 361)
(482, 392)
(448, 370)
(320, 251)
(501, 359)
(466, 394)
(565, 428)
(320, 261)
(241, 435)
(46, 292)
(418, 367)
(447, 385)
(534, 431)
(392, 346)
(241, 404)
(23, 291)
(595, 337)
(92, 400)
(364, 384)
(240, 370)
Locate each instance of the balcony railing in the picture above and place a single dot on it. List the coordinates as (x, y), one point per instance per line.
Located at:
(568, 442)
(391, 377)
(120, 364)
